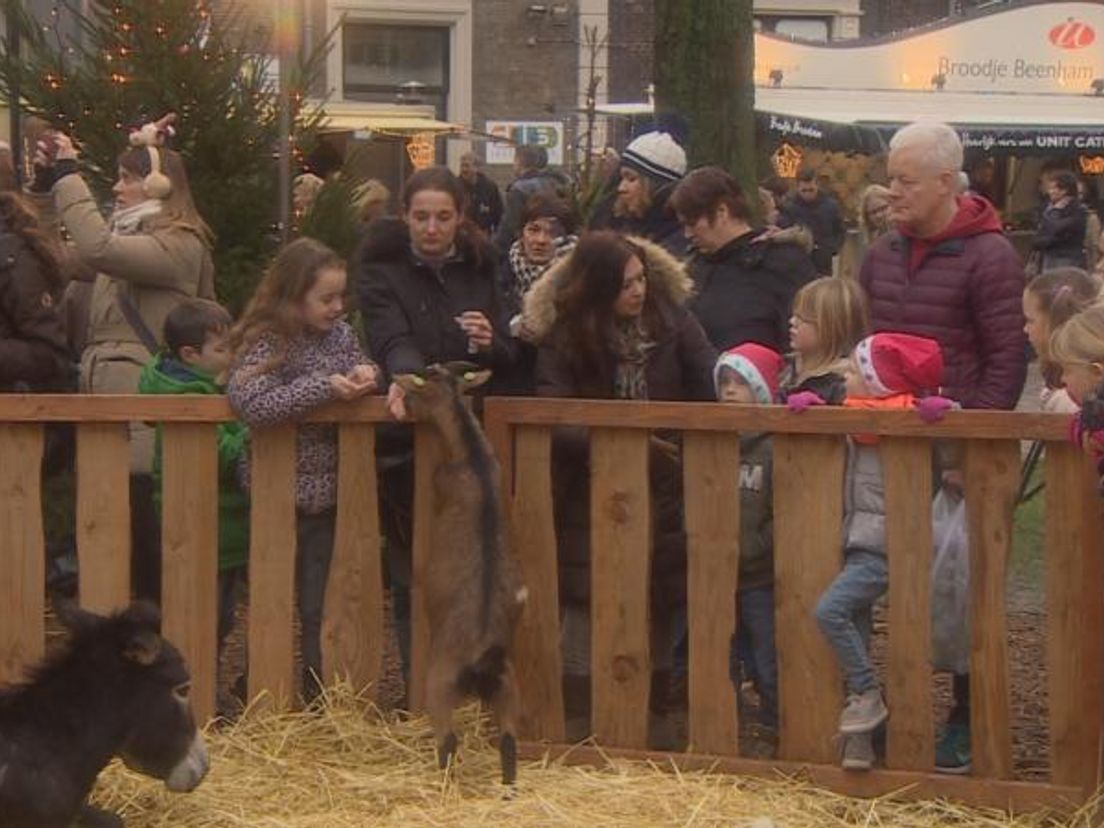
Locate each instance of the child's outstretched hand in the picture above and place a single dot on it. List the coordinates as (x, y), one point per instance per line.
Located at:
(803, 400)
(364, 376)
(933, 409)
(395, 403)
(345, 389)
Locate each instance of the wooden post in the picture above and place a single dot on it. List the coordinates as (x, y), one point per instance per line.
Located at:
(992, 479)
(353, 624)
(1074, 634)
(808, 513)
(272, 545)
(906, 470)
(538, 658)
(22, 550)
(620, 552)
(103, 515)
(427, 456)
(711, 481)
(189, 543)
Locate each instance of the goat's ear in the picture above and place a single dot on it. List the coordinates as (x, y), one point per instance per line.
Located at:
(143, 648)
(411, 383)
(473, 379)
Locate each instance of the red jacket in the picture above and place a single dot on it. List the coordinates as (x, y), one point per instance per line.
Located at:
(963, 288)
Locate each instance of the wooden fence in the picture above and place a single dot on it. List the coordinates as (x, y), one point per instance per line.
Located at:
(809, 465)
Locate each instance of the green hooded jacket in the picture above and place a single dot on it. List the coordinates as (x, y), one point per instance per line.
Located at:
(165, 375)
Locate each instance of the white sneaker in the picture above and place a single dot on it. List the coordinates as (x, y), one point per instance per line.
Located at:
(863, 712)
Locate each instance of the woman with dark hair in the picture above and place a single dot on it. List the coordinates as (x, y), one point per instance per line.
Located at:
(1060, 239)
(610, 322)
(33, 350)
(429, 292)
(745, 280)
(152, 253)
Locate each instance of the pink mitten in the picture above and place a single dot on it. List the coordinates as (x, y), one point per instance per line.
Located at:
(932, 409)
(803, 400)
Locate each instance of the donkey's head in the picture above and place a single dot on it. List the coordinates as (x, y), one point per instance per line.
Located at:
(439, 384)
(159, 734)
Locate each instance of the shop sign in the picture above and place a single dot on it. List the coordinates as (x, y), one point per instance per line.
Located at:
(547, 134)
(1037, 48)
(1091, 164)
(1031, 141)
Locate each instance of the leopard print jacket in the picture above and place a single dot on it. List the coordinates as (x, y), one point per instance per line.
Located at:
(289, 391)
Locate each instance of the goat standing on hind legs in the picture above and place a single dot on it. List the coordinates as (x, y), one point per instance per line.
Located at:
(473, 590)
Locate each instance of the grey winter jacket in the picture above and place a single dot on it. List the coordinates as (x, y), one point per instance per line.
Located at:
(863, 499)
(756, 511)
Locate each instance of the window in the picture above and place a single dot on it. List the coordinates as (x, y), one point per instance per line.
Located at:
(800, 28)
(380, 58)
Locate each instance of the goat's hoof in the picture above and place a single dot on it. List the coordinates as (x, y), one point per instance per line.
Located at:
(446, 751)
(507, 751)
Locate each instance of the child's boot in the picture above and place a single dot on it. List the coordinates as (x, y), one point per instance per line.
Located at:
(858, 752)
(863, 712)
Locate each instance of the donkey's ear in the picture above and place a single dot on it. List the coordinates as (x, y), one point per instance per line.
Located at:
(143, 647)
(143, 615)
(75, 619)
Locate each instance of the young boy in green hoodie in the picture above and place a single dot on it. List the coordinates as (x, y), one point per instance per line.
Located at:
(195, 361)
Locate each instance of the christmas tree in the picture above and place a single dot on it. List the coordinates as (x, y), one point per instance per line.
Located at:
(134, 61)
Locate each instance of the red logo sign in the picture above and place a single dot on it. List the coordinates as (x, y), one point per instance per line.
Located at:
(1073, 34)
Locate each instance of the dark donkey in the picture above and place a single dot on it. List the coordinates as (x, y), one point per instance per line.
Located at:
(473, 591)
(116, 689)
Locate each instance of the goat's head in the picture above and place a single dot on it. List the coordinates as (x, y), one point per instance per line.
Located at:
(439, 384)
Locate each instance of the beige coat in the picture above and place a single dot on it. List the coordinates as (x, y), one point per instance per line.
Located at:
(157, 270)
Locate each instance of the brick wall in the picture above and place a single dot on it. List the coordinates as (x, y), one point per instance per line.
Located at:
(632, 31)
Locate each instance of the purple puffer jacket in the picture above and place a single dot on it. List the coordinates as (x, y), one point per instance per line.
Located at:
(966, 293)
(300, 384)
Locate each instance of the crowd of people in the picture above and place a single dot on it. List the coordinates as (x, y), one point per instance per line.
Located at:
(673, 290)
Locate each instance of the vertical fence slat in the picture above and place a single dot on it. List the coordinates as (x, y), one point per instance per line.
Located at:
(906, 469)
(427, 455)
(272, 563)
(103, 515)
(711, 481)
(1073, 585)
(538, 658)
(620, 550)
(992, 479)
(353, 627)
(189, 537)
(808, 515)
(22, 550)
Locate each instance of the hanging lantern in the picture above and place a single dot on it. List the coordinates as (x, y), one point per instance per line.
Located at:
(421, 150)
(1091, 164)
(787, 160)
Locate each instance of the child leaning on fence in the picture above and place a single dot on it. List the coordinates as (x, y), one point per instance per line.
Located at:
(886, 372)
(748, 375)
(1078, 349)
(293, 352)
(195, 361)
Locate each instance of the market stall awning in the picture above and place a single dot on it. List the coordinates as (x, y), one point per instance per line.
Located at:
(995, 122)
(387, 124)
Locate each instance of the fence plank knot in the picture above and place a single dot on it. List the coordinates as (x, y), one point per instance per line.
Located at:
(624, 668)
(619, 507)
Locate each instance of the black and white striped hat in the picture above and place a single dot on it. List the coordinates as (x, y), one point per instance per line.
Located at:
(656, 155)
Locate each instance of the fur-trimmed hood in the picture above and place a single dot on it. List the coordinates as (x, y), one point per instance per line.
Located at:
(667, 276)
(387, 239)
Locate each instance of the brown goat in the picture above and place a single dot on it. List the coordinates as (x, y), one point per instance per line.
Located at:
(472, 587)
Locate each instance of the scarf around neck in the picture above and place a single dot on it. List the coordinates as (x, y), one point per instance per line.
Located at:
(128, 221)
(631, 347)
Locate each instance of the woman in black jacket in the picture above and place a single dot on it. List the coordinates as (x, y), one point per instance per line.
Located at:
(428, 291)
(744, 278)
(1061, 235)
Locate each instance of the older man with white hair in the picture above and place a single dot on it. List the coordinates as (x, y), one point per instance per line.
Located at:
(948, 272)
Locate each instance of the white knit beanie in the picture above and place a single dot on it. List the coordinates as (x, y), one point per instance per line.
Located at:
(657, 155)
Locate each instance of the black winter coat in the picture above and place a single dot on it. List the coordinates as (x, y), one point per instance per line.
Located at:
(1061, 235)
(34, 353)
(744, 292)
(409, 309)
(822, 216)
(484, 205)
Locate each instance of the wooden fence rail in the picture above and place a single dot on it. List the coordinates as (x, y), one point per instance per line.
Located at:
(809, 457)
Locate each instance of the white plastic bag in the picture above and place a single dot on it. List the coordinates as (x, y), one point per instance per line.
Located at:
(950, 585)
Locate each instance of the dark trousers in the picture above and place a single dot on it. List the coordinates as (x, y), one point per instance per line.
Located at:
(314, 542)
(960, 712)
(230, 583)
(753, 646)
(145, 540)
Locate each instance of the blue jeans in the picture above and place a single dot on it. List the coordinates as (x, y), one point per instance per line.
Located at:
(843, 614)
(753, 645)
